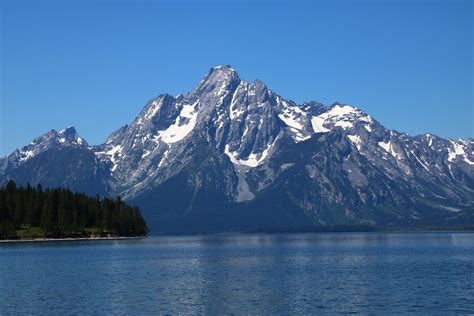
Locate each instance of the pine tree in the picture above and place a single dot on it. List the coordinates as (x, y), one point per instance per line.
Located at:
(60, 213)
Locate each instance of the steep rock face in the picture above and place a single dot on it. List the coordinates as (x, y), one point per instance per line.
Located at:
(229, 114)
(233, 155)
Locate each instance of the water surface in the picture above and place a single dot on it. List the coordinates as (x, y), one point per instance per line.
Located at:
(257, 274)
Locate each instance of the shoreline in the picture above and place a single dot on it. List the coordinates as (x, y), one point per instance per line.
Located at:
(8, 241)
(276, 232)
(322, 231)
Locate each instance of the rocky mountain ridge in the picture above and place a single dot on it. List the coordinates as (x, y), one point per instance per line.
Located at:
(234, 155)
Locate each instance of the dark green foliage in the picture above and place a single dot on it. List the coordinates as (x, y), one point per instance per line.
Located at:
(32, 212)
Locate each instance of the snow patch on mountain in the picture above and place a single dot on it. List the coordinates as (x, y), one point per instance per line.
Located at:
(388, 147)
(343, 116)
(356, 140)
(291, 115)
(318, 125)
(252, 161)
(184, 124)
(114, 154)
(341, 110)
(25, 155)
(458, 149)
(151, 111)
(295, 119)
(420, 162)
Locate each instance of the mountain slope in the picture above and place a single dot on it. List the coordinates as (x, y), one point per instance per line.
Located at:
(234, 155)
(58, 159)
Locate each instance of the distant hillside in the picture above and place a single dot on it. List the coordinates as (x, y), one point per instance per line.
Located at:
(31, 212)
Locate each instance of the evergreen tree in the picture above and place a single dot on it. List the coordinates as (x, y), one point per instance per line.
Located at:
(62, 213)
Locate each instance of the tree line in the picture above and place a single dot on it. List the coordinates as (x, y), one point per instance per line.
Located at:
(36, 212)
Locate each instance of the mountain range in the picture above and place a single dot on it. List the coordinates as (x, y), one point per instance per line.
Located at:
(233, 156)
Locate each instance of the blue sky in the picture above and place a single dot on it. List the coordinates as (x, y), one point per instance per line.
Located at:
(94, 64)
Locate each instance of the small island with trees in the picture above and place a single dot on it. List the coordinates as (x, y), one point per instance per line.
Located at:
(33, 213)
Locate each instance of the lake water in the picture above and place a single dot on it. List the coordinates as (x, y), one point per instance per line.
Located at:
(242, 274)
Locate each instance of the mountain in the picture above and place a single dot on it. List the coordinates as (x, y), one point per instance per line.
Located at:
(233, 155)
(58, 159)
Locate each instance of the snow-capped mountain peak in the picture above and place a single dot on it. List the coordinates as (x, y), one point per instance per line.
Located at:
(245, 121)
(238, 146)
(217, 81)
(70, 136)
(53, 138)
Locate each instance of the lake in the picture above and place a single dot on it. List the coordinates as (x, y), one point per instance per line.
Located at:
(242, 274)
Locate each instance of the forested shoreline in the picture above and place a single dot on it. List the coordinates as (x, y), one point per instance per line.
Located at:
(34, 212)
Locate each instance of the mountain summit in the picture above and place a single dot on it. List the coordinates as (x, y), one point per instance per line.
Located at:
(234, 155)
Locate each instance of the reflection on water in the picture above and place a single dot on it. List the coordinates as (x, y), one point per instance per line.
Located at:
(285, 273)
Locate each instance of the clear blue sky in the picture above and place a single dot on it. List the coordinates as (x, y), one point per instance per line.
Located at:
(94, 64)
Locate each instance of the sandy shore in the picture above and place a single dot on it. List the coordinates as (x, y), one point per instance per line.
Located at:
(66, 239)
